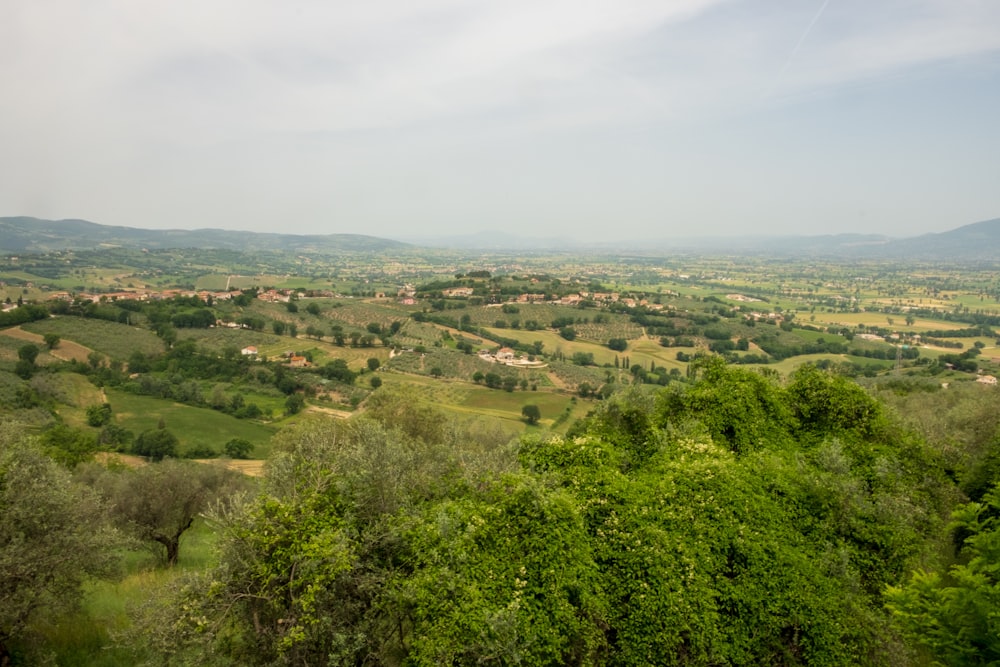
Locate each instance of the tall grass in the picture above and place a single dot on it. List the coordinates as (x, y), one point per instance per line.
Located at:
(86, 637)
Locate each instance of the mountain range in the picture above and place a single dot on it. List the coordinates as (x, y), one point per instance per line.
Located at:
(29, 235)
(979, 241)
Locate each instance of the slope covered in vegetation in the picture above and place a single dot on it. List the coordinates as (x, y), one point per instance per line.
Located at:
(739, 521)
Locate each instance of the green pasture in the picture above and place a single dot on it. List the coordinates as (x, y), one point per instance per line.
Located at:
(215, 282)
(787, 366)
(852, 320)
(217, 339)
(114, 340)
(466, 399)
(646, 350)
(79, 394)
(194, 427)
(507, 405)
(89, 278)
(553, 342)
(10, 345)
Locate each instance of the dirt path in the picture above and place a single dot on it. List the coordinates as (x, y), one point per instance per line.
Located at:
(67, 350)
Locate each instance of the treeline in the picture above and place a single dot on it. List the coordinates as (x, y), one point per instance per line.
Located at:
(23, 314)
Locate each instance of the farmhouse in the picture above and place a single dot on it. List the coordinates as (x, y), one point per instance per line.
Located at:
(274, 296)
(248, 351)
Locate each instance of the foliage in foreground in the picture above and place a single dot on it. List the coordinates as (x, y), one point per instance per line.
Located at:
(52, 537)
(734, 523)
(955, 615)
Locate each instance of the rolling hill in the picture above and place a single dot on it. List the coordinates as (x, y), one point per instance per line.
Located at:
(978, 241)
(26, 234)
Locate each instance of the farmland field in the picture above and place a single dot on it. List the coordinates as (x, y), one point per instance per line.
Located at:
(116, 341)
(194, 427)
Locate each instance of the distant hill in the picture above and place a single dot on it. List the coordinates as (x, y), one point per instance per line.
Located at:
(974, 242)
(978, 241)
(24, 234)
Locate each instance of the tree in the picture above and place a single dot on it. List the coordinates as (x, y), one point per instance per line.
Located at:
(373, 364)
(531, 413)
(238, 448)
(24, 369)
(478, 376)
(278, 327)
(157, 503)
(618, 344)
(569, 333)
(28, 352)
(436, 371)
(51, 340)
(294, 404)
(98, 415)
(52, 537)
(68, 446)
(313, 308)
(375, 382)
(156, 444)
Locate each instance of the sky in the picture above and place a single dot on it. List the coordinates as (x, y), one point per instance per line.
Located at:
(589, 119)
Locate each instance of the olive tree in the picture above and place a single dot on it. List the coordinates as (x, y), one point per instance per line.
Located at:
(52, 537)
(157, 503)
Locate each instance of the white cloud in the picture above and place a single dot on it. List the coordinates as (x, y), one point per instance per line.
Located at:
(197, 98)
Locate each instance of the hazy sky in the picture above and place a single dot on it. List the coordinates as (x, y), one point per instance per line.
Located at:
(402, 118)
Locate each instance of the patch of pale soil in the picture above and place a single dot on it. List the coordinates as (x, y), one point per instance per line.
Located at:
(253, 468)
(129, 460)
(339, 414)
(67, 350)
(249, 467)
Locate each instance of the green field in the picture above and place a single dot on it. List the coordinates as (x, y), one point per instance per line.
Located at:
(194, 427)
(114, 340)
(465, 399)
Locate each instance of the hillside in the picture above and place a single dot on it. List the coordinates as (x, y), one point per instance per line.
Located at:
(26, 234)
(977, 241)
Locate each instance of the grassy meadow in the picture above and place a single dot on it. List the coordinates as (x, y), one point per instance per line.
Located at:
(193, 426)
